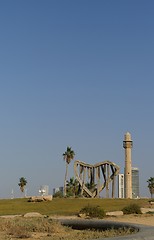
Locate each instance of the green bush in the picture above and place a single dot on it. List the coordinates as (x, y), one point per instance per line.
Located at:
(93, 211)
(58, 194)
(132, 209)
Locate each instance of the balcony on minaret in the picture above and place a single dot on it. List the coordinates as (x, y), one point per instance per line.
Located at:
(127, 144)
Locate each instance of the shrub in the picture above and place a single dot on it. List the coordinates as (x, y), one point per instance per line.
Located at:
(132, 208)
(58, 194)
(93, 211)
(18, 232)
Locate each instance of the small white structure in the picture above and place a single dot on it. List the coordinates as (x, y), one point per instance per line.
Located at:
(44, 190)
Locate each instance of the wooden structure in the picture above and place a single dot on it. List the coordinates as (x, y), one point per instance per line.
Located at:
(94, 178)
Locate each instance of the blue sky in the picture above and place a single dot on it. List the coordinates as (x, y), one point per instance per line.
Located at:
(74, 73)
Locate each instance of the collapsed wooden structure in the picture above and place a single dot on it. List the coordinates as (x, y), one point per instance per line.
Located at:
(94, 178)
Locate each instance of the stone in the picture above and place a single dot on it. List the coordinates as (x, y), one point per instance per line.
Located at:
(116, 213)
(33, 214)
(40, 198)
(146, 210)
(47, 198)
(82, 215)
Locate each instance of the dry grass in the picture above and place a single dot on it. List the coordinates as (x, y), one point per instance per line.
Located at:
(46, 229)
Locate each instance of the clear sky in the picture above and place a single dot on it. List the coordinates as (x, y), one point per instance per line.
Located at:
(74, 73)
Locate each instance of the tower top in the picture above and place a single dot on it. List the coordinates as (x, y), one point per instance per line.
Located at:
(128, 136)
(127, 143)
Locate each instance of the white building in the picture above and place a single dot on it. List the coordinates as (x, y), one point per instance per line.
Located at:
(121, 191)
(135, 184)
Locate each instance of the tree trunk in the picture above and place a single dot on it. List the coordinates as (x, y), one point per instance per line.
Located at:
(65, 180)
(151, 191)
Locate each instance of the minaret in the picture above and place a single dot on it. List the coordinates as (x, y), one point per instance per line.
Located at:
(127, 144)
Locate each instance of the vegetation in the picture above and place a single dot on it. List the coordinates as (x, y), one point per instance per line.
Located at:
(132, 209)
(58, 194)
(93, 211)
(22, 183)
(41, 228)
(72, 187)
(64, 206)
(68, 156)
(20, 227)
(151, 186)
(46, 228)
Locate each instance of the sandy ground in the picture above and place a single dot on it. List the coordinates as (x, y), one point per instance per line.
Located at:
(145, 219)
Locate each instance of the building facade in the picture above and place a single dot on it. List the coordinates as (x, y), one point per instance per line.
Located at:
(135, 183)
(121, 192)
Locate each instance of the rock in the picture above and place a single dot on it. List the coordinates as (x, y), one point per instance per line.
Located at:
(40, 198)
(33, 214)
(82, 215)
(35, 199)
(116, 213)
(47, 198)
(146, 210)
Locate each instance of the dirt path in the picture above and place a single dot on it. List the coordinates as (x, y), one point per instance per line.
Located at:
(145, 219)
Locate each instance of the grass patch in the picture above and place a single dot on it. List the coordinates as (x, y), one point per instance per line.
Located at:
(132, 209)
(64, 206)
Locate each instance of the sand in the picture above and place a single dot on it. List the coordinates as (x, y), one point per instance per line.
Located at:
(145, 219)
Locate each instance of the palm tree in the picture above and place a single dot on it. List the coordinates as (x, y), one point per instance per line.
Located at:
(151, 185)
(72, 187)
(67, 156)
(22, 183)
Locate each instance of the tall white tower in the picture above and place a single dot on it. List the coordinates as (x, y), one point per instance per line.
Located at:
(128, 144)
